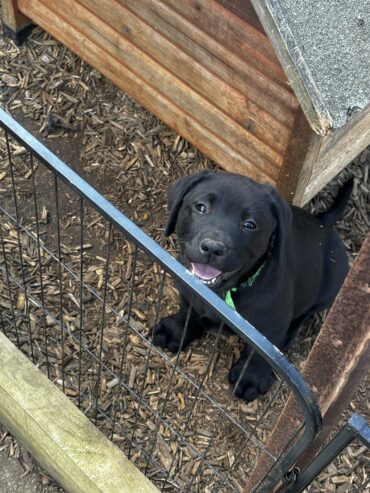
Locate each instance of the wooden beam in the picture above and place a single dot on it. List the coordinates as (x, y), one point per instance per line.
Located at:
(60, 437)
(336, 151)
(299, 160)
(245, 10)
(336, 365)
(12, 16)
(16, 24)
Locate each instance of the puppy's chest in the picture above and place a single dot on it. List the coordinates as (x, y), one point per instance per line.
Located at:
(242, 301)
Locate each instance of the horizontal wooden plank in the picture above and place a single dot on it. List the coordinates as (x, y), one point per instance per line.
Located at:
(232, 32)
(252, 69)
(127, 56)
(244, 10)
(243, 140)
(177, 116)
(191, 71)
(58, 434)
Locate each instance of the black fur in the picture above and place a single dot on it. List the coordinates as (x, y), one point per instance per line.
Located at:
(304, 259)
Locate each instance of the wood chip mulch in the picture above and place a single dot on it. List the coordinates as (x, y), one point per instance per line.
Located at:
(131, 158)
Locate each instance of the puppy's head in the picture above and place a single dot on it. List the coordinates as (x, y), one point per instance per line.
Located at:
(226, 223)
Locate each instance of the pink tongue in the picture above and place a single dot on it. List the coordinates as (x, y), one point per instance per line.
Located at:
(205, 272)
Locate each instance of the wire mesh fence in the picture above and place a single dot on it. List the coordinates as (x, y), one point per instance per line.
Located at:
(81, 288)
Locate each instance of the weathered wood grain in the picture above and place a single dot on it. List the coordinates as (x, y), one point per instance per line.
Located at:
(12, 16)
(244, 10)
(150, 83)
(232, 32)
(126, 19)
(299, 159)
(252, 61)
(336, 151)
(57, 434)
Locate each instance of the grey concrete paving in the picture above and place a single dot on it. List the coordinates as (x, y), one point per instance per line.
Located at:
(11, 480)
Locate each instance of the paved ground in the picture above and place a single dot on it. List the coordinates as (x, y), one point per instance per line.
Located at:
(11, 480)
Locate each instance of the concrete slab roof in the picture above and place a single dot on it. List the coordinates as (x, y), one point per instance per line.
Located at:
(324, 47)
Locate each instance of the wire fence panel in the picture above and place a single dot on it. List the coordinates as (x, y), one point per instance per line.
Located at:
(81, 288)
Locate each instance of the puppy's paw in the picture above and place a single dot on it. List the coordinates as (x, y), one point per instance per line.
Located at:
(255, 381)
(168, 334)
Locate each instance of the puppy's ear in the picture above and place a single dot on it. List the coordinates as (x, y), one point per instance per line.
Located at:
(176, 195)
(284, 216)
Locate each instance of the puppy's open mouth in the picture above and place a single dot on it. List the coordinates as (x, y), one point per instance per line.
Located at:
(205, 273)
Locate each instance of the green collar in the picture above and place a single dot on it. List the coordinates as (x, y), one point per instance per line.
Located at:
(248, 283)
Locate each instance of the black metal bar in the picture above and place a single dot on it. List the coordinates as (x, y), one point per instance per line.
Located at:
(269, 472)
(81, 300)
(7, 275)
(244, 369)
(195, 400)
(40, 264)
(102, 325)
(231, 318)
(59, 254)
(222, 412)
(356, 427)
(197, 387)
(158, 308)
(127, 325)
(11, 168)
(142, 337)
(132, 393)
(257, 423)
(173, 372)
(208, 448)
(2, 324)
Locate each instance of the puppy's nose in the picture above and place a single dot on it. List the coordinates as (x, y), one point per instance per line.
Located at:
(212, 247)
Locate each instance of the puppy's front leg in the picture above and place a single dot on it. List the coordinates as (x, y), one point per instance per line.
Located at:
(177, 331)
(255, 380)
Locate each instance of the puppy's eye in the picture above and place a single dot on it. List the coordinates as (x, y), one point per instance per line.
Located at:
(249, 225)
(201, 208)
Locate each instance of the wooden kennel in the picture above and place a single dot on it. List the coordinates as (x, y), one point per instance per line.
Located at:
(208, 70)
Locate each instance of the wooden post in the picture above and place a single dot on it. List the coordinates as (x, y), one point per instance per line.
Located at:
(312, 160)
(16, 25)
(338, 362)
(333, 152)
(58, 434)
(299, 159)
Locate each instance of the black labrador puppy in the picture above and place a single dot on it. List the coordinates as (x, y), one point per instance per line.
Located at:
(274, 263)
